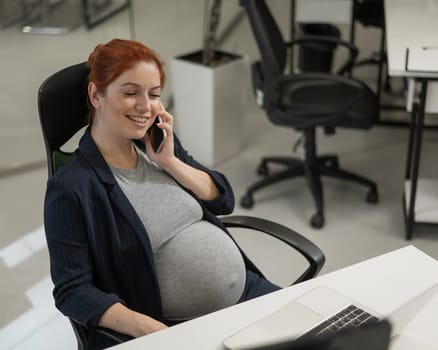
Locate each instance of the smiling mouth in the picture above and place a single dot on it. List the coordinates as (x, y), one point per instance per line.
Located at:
(137, 119)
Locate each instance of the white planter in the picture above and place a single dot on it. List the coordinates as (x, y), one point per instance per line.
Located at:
(209, 104)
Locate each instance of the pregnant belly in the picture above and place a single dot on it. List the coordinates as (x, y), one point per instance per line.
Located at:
(200, 270)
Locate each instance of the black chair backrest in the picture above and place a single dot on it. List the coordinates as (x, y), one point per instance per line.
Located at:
(63, 110)
(272, 46)
(62, 107)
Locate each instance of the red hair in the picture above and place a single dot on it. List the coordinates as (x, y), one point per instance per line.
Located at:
(110, 60)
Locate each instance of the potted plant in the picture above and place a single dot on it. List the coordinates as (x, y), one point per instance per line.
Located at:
(209, 89)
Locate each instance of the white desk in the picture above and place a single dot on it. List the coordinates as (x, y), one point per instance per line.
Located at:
(414, 24)
(383, 283)
(334, 11)
(409, 24)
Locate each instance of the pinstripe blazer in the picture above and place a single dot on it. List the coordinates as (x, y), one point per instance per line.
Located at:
(99, 250)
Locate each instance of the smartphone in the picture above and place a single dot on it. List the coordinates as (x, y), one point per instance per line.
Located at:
(157, 135)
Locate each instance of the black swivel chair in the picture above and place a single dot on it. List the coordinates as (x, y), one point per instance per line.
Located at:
(62, 110)
(304, 102)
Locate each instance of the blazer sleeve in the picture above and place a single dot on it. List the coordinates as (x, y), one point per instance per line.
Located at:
(70, 261)
(224, 203)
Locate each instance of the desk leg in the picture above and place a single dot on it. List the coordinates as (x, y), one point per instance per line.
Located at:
(293, 12)
(418, 138)
(381, 63)
(352, 31)
(412, 129)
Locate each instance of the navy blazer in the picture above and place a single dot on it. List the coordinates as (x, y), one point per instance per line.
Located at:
(100, 253)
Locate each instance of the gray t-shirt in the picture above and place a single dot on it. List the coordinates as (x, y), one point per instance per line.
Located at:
(199, 267)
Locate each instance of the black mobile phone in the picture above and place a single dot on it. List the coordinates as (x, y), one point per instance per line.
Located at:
(157, 135)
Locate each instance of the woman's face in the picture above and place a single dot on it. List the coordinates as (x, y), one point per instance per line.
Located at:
(130, 103)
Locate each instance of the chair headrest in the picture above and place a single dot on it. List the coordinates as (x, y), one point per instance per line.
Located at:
(62, 104)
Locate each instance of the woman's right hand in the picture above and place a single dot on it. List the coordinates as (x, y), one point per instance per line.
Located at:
(148, 324)
(124, 320)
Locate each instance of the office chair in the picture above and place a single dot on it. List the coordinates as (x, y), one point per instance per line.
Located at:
(62, 111)
(370, 13)
(305, 101)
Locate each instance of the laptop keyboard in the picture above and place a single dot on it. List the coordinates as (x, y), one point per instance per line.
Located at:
(351, 316)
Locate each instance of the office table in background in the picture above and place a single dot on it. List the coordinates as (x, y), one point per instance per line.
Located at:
(414, 24)
(383, 283)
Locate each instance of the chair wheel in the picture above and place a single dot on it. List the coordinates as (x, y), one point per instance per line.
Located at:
(372, 196)
(247, 201)
(317, 220)
(333, 163)
(387, 87)
(262, 170)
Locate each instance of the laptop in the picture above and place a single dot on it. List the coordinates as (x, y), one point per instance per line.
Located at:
(316, 313)
(375, 336)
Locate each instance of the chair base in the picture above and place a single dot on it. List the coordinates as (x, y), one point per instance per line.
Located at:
(321, 166)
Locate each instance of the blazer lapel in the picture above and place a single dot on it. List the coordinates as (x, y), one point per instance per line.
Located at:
(122, 203)
(91, 154)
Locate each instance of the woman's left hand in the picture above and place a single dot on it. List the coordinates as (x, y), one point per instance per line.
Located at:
(197, 181)
(166, 155)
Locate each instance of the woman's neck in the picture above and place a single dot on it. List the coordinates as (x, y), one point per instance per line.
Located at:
(118, 152)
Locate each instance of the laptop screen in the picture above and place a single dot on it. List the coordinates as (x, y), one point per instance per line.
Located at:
(374, 336)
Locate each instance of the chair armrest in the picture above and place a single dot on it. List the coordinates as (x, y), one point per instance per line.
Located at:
(113, 335)
(352, 49)
(82, 333)
(310, 251)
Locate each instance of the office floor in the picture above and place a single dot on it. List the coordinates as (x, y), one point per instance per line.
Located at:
(354, 230)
